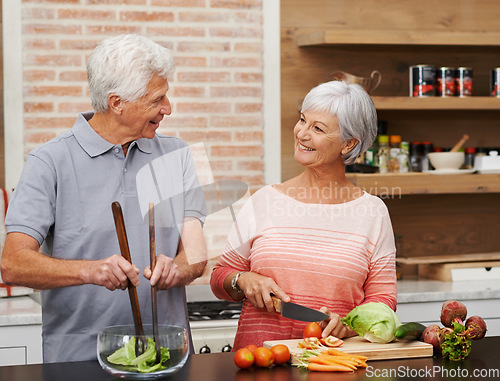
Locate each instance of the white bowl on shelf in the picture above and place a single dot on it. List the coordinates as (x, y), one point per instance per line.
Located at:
(445, 161)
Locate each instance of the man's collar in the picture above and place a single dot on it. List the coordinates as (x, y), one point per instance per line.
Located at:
(93, 143)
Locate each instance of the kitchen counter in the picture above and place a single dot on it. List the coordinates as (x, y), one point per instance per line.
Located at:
(19, 310)
(481, 364)
(22, 310)
(20, 331)
(426, 290)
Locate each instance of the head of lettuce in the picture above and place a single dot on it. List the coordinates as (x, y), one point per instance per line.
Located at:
(374, 321)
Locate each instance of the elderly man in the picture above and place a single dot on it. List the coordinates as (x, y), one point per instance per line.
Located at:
(63, 201)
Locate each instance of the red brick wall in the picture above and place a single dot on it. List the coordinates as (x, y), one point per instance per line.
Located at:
(216, 92)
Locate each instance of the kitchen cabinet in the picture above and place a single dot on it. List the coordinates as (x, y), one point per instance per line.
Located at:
(20, 345)
(431, 215)
(20, 331)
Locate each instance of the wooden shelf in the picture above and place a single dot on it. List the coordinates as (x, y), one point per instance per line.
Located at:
(397, 37)
(436, 103)
(393, 185)
(454, 258)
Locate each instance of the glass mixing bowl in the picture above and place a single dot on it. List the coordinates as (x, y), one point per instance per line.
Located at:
(113, 338)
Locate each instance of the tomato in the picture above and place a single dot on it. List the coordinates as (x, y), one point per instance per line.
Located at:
(332, 341)
(310, 343)
(252, 347)
(312, 330)
(281, 354)
(263, 357)
(243, 358)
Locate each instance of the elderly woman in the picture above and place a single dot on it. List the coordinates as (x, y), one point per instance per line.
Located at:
(64, 198)
(316, 239)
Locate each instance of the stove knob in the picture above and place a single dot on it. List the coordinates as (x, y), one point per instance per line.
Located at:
(227, 348)
(205, 349)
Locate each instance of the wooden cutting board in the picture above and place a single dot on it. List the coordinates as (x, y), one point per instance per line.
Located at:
(373, 351)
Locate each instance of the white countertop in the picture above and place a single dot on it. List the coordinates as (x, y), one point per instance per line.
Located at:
(409, 291)
(24, 310)
(426, 290)
(19, 310)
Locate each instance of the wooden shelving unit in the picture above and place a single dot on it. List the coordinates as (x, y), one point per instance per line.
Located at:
(395, 184)
(437, 103)
(437, 214)
(417, 183)
(397, 37)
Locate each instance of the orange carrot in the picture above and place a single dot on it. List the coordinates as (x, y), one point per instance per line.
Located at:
(336, 352)
(328, 368)
(331, 360)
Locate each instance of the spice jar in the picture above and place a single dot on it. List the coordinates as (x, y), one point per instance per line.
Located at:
(424, 164)
(470, 153)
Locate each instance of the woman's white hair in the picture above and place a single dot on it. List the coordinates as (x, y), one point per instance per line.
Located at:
(124, 65)
(354, 110)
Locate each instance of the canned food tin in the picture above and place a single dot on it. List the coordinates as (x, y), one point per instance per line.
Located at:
(495, 82)
(464, 81)
(445, 82)
(422, 81)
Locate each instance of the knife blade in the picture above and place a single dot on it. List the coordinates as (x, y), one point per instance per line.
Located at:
(297, 312)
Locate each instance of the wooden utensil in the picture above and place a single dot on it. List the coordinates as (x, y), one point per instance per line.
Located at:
(460, 143)
(132, 291)
(152, 257)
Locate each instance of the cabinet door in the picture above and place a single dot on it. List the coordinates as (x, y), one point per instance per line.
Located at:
(21, 344)
(12, 356)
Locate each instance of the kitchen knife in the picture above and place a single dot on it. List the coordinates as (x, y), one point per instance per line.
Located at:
(297, 312)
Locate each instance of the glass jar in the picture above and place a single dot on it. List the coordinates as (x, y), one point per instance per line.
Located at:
(470, 154)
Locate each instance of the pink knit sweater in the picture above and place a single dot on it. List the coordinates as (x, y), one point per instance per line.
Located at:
(333, 255)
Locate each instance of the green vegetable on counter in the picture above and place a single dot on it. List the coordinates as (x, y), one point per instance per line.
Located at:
(144, 363)
(374, 321)
(410, 331)
(456, 345)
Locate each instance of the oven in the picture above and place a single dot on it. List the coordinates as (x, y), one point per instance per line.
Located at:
(213, 322)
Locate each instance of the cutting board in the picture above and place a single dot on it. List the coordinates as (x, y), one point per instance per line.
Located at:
(373, 351)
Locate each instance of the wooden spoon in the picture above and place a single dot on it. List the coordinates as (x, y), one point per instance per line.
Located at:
(460, 143)
(132, 291)
(152, 257)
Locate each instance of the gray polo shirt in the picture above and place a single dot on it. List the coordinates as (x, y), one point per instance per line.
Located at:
(63, 200)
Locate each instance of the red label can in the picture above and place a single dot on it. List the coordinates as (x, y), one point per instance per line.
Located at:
(422, 81)
(495, 82)
(464, 81)
(445, 82)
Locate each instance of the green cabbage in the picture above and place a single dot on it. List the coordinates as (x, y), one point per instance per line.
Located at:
(144, 363)
(376, 322)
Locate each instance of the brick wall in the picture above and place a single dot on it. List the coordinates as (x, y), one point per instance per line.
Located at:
(216, 92)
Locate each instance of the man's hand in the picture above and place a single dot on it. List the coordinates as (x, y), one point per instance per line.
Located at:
(166, 274)
(114, 273)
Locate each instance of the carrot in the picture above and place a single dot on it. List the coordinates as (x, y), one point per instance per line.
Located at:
(328, 368)
(336, 352)
(331, 360)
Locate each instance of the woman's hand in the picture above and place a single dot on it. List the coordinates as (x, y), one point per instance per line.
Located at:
(333, 326)
(258, 289)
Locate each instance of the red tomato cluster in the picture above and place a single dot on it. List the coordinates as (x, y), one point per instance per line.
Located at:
(261, 356)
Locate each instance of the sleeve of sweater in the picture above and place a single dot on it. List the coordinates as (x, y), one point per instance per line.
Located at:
(235, 256)
(381, 285)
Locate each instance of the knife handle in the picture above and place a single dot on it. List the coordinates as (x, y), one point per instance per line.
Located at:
(277, 303)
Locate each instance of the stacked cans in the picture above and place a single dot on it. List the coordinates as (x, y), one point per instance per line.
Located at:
(427, 81)
(495, 82)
